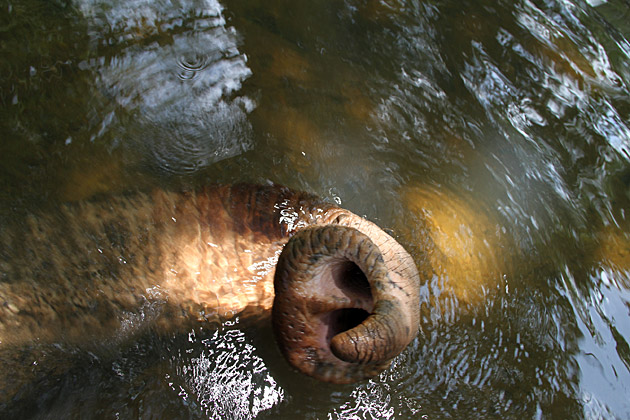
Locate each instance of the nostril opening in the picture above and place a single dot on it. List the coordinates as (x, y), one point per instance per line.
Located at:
(344, 286)
(348, 277)
(345, 319)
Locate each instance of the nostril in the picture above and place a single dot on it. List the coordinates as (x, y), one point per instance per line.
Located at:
(338, 314)
(345, 319)
(349, 278)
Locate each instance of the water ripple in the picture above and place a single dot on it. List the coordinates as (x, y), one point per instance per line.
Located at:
(175, 74)
(224, 377)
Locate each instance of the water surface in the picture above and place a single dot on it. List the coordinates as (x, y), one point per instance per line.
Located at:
(491, 137)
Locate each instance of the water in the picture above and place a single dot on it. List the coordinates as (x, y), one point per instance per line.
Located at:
(492, 138)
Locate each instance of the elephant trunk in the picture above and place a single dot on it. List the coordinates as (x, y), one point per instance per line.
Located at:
(343, 309)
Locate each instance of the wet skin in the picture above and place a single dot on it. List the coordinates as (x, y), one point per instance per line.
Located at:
(346, 294)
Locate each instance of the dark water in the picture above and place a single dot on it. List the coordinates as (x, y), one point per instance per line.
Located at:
(492, 138)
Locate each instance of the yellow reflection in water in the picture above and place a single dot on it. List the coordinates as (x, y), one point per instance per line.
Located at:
(461, 244)
(613, 250)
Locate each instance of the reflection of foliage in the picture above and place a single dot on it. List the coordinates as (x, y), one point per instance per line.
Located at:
(43, 92)
(42, 46)
(97, 93)
(514, 357)
(529, 344)
(616, 12)
(519, 103)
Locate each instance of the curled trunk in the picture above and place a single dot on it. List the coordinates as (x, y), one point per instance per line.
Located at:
(346, 300)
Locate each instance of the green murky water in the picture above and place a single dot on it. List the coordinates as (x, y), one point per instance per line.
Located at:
(492, 138)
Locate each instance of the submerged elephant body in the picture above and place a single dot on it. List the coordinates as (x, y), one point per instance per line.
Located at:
(346, 294)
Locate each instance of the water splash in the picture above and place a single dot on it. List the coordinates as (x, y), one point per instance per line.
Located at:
(224, 377)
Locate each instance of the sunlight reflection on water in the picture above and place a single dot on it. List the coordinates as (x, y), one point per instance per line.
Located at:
(176, 73)
(224, 377)
(507, 121)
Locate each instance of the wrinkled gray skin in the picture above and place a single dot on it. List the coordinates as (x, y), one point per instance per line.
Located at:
(345, 294)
